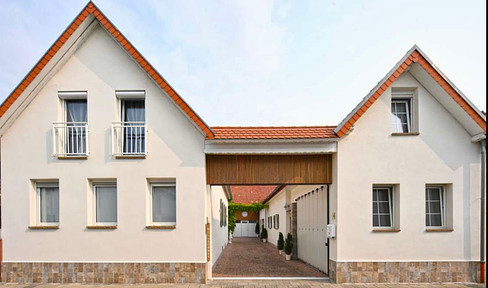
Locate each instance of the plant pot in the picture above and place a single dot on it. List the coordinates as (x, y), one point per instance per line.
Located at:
(281, 252)
(264, 240)
(288, 257)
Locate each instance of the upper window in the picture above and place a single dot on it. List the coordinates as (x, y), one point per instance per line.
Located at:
(105, 203)
(276, 221)
(70, 135)
(382, 207)
(47, 203)
(434, 206)
(163, 203)
(270, 222)
(129, 134)
(401, 115)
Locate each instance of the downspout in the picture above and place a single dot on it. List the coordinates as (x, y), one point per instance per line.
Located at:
(483, 223)
(328, 222)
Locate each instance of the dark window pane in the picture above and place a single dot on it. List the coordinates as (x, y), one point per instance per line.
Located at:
(375, 221)
(433, 194)
(427, 220)
(383, 195)
(375, 207)
(385, 220)
(384, 207)
(435, 207)
(375, 195)
(427, 210)
(435, 220)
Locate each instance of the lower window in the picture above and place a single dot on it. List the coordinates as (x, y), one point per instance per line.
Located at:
(105, 203)
(434, 206)
(163, 204)
(382, 207)
(47, 203)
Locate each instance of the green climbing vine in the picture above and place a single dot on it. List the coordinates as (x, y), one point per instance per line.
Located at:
(254, 207)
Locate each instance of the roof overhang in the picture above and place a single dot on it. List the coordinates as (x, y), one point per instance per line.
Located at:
(271, 146)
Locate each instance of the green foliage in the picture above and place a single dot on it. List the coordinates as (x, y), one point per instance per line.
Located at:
(256, 230)
(233, 207)
(264, 233)
(281, 242)
(288, 244)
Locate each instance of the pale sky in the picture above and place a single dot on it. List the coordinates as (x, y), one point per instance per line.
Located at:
(267, 62)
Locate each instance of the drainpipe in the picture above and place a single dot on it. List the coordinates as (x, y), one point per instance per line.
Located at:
(483, 223)
(328, 222)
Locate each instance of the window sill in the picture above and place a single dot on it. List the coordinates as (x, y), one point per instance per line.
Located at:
(439, 230)
(389, 230)
(44, 227)
(130, 157)
(101, 227)
(163, 227)
(406, 134)
(72, 157)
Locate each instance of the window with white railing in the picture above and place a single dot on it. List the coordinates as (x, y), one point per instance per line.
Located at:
(70, 138)
(129, 135)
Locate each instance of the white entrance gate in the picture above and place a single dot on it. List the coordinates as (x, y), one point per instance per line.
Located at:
(311, 228)
(245, 229)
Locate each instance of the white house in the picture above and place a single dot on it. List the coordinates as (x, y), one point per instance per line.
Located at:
(108, 176)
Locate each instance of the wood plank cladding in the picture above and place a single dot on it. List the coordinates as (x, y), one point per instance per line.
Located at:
(269, 169)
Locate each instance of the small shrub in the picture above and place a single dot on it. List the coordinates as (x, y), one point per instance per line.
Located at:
(264, 233)
(281, 242)
(288, 244)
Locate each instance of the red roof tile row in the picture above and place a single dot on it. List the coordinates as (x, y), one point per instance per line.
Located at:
(250, 194)
(291, 132)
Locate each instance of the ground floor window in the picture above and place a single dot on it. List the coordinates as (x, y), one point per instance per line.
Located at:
(105, 203)
(163, 204)
(382, 207)
(434, 206)
(47, 203)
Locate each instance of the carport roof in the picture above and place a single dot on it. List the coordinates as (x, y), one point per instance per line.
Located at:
(273, 132)
(251, 193)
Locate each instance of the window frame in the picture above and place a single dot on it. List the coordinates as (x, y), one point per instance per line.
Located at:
(390, 204)
(94, 203)
(442, 203)
(39, 185)
(151, 217)
(407, 99)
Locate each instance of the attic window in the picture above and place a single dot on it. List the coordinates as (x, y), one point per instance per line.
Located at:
(403, 116)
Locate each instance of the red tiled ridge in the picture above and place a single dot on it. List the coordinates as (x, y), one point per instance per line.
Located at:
(250, 194)
(90, 8)
(272, 132)
(414, 57)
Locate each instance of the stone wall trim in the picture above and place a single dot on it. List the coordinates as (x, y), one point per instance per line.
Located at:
(103, 273)
(404, 272)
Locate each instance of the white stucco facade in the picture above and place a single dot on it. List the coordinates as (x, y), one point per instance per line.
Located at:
(442, 153)
(175, 153)
(219, 235)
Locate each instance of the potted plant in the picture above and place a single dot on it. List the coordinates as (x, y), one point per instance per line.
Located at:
(288, 246)
(281, 243)
(256, 230)
(264, 235)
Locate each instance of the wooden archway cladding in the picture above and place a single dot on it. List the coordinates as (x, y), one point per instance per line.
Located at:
(269, 169)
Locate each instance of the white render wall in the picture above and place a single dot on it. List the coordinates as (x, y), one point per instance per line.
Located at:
(219, 235)
(277, 206)
(443, 154)
(175, 151)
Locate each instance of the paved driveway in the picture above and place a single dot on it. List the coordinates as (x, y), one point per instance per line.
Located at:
(249, 257)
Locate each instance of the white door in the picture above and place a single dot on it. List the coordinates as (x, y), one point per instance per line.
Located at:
(311, 229)
(245, 228)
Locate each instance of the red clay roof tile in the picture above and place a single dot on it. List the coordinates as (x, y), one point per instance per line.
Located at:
(250, 194)
(292, 132)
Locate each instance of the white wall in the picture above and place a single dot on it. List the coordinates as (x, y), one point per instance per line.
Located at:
(442, 153)
(219, 235)
(175, 150)
(277, 206)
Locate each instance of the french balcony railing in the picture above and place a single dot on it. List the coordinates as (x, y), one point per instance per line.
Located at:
(129, 139)
(70, 139)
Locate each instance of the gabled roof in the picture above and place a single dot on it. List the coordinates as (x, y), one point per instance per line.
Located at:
(291, 132)
(91, 9)
(251, 193)
(414, 55)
